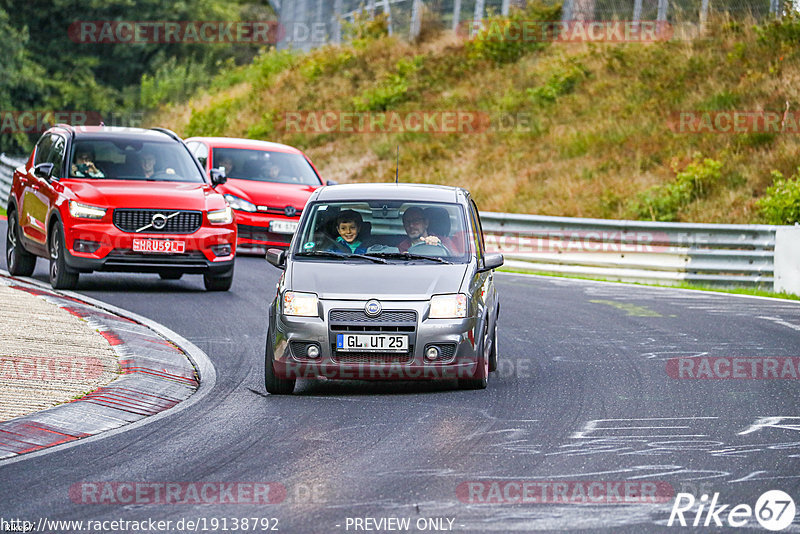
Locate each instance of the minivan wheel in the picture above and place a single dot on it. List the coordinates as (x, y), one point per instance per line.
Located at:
(480, 378)
(493, 351)
(60, 275)
(20, 262)
(273, 383)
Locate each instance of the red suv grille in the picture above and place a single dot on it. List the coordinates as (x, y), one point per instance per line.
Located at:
(177, 221)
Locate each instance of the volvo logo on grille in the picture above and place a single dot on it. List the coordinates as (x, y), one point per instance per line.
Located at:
(373, 308)
(158, 221)
(290, 211)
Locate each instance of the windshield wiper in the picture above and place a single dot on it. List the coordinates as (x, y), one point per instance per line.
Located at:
(410, 256)
(341, 255)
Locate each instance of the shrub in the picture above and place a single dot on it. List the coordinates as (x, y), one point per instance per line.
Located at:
(391, 90)
(697, 180)
(781, 202)
(496, 40)
(562, 81)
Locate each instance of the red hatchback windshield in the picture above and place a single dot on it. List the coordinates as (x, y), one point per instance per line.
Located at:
(265, 166)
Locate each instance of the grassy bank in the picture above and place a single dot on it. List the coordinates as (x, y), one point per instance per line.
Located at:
(598, 138)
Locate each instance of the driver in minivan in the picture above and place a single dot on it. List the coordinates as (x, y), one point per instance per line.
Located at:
(416, 224)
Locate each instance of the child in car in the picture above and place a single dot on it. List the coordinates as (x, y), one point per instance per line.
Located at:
(348, 224)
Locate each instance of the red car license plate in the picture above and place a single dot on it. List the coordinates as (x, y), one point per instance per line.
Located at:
(159, 245)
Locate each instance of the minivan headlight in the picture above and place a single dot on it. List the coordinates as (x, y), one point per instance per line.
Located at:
(223, 216)
(300, 304)
(84, 211)
(452, 306)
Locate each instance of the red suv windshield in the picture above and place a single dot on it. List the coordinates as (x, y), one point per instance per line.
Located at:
(133, 159)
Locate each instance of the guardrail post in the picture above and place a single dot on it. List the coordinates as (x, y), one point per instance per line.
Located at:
(787, 259)
(703, 14)
(504, 8)
(662, 10)
(388, 10)
(416, 15)
(337, 22)
(456, 14)
(637, 10)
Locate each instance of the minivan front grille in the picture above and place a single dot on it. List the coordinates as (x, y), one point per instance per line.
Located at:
(358, 316)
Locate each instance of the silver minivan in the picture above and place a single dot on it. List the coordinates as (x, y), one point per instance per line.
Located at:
(384, 282)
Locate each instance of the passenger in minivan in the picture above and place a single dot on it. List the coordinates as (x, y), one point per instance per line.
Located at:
(348, 225)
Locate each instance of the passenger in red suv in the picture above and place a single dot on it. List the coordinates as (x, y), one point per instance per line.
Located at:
(132, 200)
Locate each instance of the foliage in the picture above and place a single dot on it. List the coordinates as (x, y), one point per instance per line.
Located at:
(781, 202)
(663, 203)
(392, 89)
(56, 71)
(561, 81)
(506, 39)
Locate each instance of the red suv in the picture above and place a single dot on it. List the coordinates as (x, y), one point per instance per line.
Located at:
(268, 185)
(118, 199)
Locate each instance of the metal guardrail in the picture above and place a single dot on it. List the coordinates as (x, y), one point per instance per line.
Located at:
(636, 251)
(7, 166)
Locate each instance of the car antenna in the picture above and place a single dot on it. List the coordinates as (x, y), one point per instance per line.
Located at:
(397, 166)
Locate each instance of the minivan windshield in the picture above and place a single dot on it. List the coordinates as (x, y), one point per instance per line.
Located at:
(428, 232)
(123, 158)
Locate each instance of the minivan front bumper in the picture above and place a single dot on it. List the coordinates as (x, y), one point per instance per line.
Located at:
(455, 339)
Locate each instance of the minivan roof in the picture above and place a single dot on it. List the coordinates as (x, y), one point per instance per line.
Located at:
(416, 192)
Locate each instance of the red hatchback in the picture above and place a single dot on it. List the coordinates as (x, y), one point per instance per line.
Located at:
(268, 185)
(118, 199)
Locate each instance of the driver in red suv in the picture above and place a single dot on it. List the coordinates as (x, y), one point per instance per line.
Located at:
(97, 198)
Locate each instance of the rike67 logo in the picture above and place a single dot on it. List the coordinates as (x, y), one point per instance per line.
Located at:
(774, 510)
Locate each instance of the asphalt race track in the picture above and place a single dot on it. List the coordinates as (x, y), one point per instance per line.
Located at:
(583, 393)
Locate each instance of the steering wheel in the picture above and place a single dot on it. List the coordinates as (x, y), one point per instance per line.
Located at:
(425, 249)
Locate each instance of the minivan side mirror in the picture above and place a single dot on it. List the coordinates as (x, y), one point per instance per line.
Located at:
(44, 170)
(218, 176)
(277, 257)
(491, 261)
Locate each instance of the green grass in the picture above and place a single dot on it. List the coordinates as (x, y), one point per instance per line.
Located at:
(683, 285)
(2, 212)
